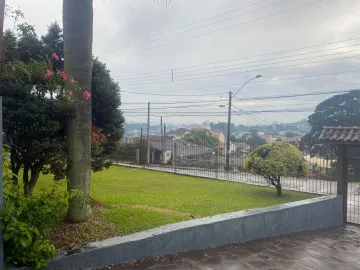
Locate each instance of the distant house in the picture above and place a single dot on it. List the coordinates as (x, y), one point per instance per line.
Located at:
(219, 135)
(163, 151)
(178, 133)
(294, 140)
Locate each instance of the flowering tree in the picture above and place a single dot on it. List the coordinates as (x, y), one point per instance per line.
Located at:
(36, 100)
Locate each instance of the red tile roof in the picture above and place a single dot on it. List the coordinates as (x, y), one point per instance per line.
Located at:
(341, 134)
(217, 134)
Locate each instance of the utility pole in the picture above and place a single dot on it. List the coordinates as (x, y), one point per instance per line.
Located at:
(148, 137)
(228, 135)
(231, 96)
(161, 127)
(141, 147)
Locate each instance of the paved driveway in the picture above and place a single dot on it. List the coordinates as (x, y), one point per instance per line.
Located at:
(337, 248)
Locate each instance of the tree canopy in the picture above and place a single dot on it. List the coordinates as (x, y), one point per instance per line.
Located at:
(34, 126)
(202, 137)
(339, 110)
(275, 160)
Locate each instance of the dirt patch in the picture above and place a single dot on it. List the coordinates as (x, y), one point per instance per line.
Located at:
(69, 235)
(158, 209)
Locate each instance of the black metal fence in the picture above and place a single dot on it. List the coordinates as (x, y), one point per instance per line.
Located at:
(179, 156)
(209, 161)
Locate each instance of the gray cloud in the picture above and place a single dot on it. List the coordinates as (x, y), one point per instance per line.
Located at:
(120, 27)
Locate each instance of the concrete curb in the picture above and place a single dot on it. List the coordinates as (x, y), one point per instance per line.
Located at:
(322, 212)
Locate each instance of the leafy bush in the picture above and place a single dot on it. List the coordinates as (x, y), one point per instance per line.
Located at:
(275, 160)
(27, 221)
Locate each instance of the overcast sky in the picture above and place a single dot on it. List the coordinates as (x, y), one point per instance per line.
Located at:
(213, 47)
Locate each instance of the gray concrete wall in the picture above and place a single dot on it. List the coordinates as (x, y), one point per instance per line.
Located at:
(201, 233)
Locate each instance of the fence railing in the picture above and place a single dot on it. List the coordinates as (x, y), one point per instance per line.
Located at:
(209, 160)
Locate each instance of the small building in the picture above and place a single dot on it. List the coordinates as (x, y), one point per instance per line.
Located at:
(178, 133)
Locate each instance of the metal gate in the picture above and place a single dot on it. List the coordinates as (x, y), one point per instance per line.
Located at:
(353, 191)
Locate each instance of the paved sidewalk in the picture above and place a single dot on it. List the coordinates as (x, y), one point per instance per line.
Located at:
(337, 248)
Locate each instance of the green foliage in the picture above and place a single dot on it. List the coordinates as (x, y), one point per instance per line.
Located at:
(36, 107)
(202, 137)
(106, 102)
(256, 141)
(233, 138)
(27, 222)
(291, 134)
(339, 110)
(253, 132)
(276, 160)
(34, 113)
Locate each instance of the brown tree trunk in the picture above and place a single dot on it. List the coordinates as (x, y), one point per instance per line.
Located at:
(78, 38)
(278, 187)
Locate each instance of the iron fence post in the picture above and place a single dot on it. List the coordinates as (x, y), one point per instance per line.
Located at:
(342, 178)
(216, 164)
(174, 158)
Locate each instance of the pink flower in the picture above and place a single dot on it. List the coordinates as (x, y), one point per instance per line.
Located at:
(48, 74)
(63, 75)
(69, 94)
(72, 81)
(55, 56)
(86, 95)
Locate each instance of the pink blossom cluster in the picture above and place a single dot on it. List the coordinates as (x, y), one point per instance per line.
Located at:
(64, 76)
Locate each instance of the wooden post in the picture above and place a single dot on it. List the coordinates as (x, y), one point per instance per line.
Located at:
(342, 177)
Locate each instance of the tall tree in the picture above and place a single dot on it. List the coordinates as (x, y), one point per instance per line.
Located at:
(2, 16)
(78, 39)
(106, 114)
(339, 110)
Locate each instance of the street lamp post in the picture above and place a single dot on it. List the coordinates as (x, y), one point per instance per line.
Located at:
(231, 96)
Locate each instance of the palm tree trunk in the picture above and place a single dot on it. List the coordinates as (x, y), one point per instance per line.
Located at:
(78, 38)
(2, 15)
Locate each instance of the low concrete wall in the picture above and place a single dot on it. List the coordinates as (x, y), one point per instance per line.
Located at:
(201, 233)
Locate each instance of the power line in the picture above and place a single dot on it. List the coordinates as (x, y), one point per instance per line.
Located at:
(248, 57)
(195, 95)
(238, 15)
(297, 95)
(243, 112)
(263, 81)
(252, 98)
(253, 70)
(212, 107)
(171, 30)
(232, 26)
(256, 61)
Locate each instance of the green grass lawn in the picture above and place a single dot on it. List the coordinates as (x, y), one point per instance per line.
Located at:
(137, 199)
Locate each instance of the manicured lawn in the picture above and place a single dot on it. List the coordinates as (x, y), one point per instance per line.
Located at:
(136, 199)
